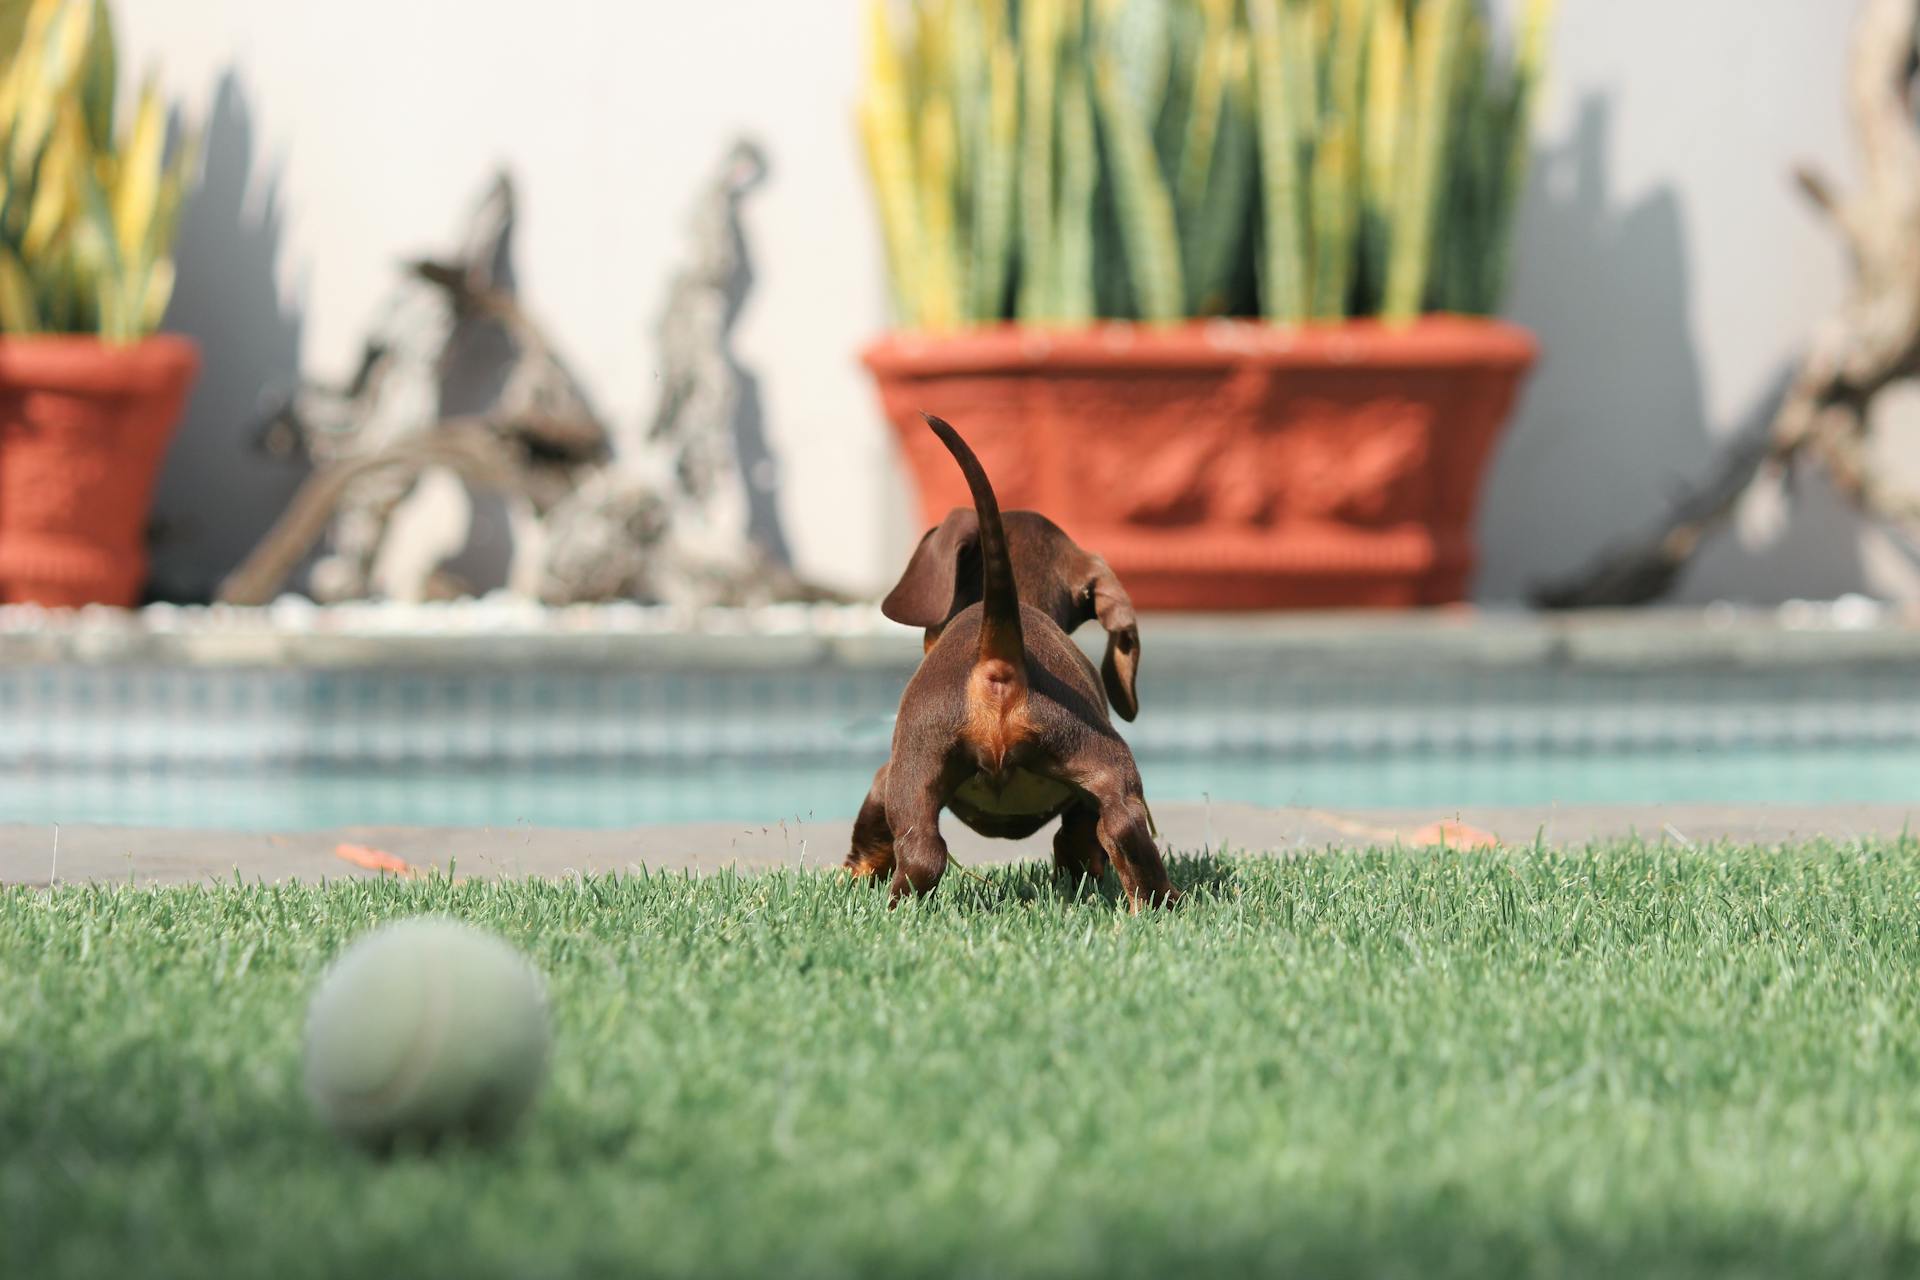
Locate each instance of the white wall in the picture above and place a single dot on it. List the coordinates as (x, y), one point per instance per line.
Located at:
(379, 121)
(1665, 261)
(1673, 272)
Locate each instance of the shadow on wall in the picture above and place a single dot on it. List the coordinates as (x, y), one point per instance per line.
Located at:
(1614, 423)
(218, 494)
(758, 467)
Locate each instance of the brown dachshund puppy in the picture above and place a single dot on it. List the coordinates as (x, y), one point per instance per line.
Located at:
(1005, 724)
(1050, 573)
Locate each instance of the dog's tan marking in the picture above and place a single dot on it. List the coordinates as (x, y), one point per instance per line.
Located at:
(997, 713)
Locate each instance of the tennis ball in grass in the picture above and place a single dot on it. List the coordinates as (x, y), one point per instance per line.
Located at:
(423, 1030)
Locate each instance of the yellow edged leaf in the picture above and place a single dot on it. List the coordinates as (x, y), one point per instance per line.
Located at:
(154, 298)
(53, 190)
(135, 189)
(18, 314)
(57, 35)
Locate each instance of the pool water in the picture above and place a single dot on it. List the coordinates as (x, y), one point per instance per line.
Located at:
(598, 794)
(269, 732)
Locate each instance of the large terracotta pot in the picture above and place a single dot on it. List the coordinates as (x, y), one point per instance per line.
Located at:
(83, 427)
(1227, 465)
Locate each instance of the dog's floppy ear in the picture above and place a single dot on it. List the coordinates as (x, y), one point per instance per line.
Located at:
(930, 591)
(1122, 664)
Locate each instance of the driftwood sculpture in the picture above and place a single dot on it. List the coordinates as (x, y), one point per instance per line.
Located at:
(457, 376)
(454, 375)
(1872, 341)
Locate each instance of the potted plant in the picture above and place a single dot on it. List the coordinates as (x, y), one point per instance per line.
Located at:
(1208, 281)
(89, 394)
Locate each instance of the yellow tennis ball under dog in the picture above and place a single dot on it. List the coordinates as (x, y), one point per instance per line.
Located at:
(423, 1030)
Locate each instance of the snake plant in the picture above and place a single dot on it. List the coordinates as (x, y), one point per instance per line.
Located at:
(1050, 161)
(88, 210)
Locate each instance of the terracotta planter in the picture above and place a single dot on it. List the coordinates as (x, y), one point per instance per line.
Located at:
(83, 427)
(1227, 465)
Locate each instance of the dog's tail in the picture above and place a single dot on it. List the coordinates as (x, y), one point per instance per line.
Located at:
(1003, 654)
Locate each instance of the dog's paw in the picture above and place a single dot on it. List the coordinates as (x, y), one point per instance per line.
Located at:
(867, 866)
(1164, 899)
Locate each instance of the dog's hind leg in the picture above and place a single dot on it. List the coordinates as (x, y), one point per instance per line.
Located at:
(1125, 831)
(916, 792)
(872, 851)
(1077, 854)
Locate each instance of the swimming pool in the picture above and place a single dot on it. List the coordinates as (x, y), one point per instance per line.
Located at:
(607, 796)
(249, 727)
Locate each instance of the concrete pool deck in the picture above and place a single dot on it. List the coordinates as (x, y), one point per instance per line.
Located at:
(154, 857)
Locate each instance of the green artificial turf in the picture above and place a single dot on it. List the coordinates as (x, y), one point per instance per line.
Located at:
(1633, 1061)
